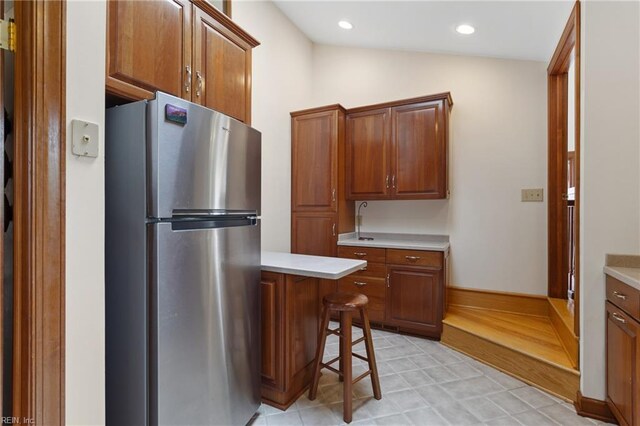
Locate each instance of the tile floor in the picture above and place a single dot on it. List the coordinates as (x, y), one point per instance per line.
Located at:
(424, 383)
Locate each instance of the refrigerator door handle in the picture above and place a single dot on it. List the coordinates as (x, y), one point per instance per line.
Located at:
(189, 225)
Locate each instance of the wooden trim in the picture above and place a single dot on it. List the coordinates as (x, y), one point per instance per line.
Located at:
(552, 378)
(498, 301)
(594, 408)
(325, 108)
(39, 257)
(557, 163)
(226, 21)
(562, 320)
(429, 98)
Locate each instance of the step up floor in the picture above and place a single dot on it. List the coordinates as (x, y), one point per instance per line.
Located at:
(526, 346)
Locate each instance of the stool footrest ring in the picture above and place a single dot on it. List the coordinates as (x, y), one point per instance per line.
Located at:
(337, 331)
(335, 370)
(360, 357)
(362, 376)
(358, 341)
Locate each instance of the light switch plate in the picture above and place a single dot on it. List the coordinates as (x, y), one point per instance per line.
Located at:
(84, 136)
(535, 194)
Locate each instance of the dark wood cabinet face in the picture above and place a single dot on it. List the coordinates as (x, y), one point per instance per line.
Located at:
(271, 289)
(367, 155)
(414, 298)
(419, 157)
(314, 234)
(149, 46)
(221, 68)
(314, 162)
(623, 364)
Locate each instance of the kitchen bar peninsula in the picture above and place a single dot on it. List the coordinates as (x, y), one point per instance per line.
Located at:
(292, 288)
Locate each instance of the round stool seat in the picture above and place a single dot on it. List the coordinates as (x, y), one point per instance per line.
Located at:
(345, 301)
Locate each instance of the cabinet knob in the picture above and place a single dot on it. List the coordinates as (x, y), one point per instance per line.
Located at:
(412, 258)
(616, 316)
(360, 253)
(187, 82)
(360, 283)
(333, 230)
(620, 295)
(200, 84)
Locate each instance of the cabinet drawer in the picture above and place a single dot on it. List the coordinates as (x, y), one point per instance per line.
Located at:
(373, 288)
(414, 257)
(625, 297)
(373, 270)
(363, 253)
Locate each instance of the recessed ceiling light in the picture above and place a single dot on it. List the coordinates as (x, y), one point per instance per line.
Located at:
(345, 25)
(465, 29)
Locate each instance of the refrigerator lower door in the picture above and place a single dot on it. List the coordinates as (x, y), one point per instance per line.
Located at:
(205, 336)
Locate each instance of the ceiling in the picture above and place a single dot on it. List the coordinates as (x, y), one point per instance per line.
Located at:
(504, 29)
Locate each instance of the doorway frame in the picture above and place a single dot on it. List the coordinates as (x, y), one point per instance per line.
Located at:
(558, 244)
(39, 224)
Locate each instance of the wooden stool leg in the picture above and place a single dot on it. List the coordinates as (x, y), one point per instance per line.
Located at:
(375, 380)
(345, 325)
(322, 338)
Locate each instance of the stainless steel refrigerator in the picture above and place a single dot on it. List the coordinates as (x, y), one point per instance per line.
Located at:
(182, 265)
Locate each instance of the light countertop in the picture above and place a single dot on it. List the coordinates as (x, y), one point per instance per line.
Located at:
(625, 268)
(331, 268)
(397, 241)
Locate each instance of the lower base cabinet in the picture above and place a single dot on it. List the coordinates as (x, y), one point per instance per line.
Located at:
(415, 299)
(405, 287)
(290, 323)
(623, 351)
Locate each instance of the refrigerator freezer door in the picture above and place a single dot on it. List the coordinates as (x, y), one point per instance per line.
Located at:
(205, 338)
(200, 161)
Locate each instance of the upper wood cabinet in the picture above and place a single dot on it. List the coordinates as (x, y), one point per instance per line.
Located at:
(149, 47)
(222, 68)
(314, 161)
(319, 209)
(185, 48)
(367, 155)
(398, 150)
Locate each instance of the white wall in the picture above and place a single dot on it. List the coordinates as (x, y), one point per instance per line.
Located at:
(610, 174)
(85, 333)
(498, 145)
(281, 84)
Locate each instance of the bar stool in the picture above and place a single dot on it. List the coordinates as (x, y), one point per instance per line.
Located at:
(346, 304)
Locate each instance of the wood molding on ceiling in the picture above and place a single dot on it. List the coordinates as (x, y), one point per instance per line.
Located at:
(558, 244)
(39, 259)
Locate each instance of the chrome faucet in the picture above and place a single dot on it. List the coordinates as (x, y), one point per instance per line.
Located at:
(359, 221)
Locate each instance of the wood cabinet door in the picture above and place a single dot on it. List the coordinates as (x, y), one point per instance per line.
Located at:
(414, 299)
(314, 234)
(623, 375)
(418, 151)
(367, 155)
(271, 292)
(314, 162)
(221, 68)
(149, 47)
(303, 318)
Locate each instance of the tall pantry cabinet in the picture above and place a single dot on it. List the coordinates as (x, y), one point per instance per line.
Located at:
(319, 209)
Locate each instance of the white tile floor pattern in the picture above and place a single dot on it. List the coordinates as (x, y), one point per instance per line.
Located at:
(424, 383)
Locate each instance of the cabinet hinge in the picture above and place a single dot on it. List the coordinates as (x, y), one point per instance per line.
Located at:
(8, 35)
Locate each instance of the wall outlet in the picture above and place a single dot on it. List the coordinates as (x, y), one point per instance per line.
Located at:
(532, 194)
